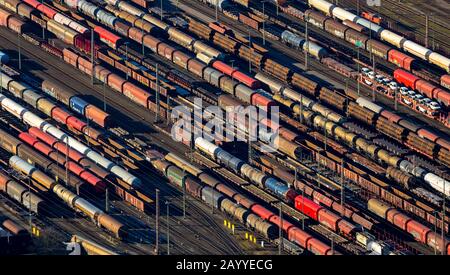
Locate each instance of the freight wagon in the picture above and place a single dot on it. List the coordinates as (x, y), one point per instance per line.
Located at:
(420, 232)
(209, 195)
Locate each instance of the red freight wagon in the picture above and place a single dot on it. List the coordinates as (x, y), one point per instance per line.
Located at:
(76, 123)
(33, 3)
(136, 94)
(425, 87)
(60, 115)
(442, 96)
(445, 81)
(116, 82)
(405, 78)
(390, 116)
(262, 211)
(224, 68)
(397, 218)
(329, 219)
(42, 136)
(28, 138)
(298, 236)
(427, 134)
(247, 80)
(47, 11)
(400, 59)
(285, 225)
(318, 247)
(261, 100)
(418, 230)
(42, 8)
(44, 148)
(307, 207)
(108, 37)
(74, 168)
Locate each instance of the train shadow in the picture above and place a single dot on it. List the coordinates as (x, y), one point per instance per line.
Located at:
(26, 61)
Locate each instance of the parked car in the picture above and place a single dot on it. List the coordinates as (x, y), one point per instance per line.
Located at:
(393, 85)
(434, 105)
(418, 97)
(407, 101)
(379, 78)
(368, 82)
(425, 101)
(411, 94)
(404, 91)
(422, 109)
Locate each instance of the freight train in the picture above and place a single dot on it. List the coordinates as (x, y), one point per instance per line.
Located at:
(212, 197)
(98, 185)
(420, 232)
(424, 87)
(34, 121)
(303, 204)
(274, 186)
(325, 216)
(12, 22)
(16, 147)
(21, 194)
(216, 76)
(38, 101)
(358, 142)
(73, 200)
(313, 88)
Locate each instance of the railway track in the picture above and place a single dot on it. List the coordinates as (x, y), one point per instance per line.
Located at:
(291, 53)
(316, 69)
(286, 209)
(147, 119)
(397, 11)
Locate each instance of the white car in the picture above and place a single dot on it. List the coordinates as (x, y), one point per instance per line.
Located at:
(434, 106)
(393, 85)
(371, 75)
(386, 80)
(421, 109)
(425, 101)
(418, 97)
(407, 101)
(379, 78)
(411, 94)
(368, 82)
(404, 91)
(365, 70)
